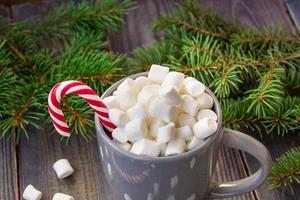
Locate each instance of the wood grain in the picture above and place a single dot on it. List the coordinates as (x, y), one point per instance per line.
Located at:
(294, 11)
(136, 30)
(37, 155)
(8, 170)
(258, 13)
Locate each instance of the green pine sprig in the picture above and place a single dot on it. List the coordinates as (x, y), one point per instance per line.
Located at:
(286, 169)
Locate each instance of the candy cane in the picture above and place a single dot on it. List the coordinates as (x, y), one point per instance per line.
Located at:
(88, 94)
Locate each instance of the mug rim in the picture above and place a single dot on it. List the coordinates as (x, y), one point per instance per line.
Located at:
(186, 154)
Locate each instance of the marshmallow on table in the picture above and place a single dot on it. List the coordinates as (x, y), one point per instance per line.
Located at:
(136, 111)
(61, 196)
(154, 126)
(207, 113)
(119, 134)
(136, 129)
(205, 101)
(174, 79)
(145, 147)
(205, 127)
(195, 141)
(186, 119)
(126, 99)
(158, 73)
(184, 132)
(163, 111)
(31, 193)
(166, 133)
(170, 95)
(193, 87)
(111, 102)
(141, 82)
(118, 117)
(63, 168)
(175, 146)
(148, 93)
(189, 105)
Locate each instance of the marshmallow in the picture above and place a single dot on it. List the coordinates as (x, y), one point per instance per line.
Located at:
(166, 133)
(126, 99)
(141, 82)
(207, 113)
(136, 111)
(185, 119)
(120, 135)
(126, 146)
(63, 168)
(61, 196)
(163, 148)
(189, 105)
(175, 146)
(136, 129)
(154, 126)
(174, 79)
(111, 102)
(193, 87)
(148, 93)
(158, 73)
(205, 101)
(170, 95)
(184, 132)
(194, 143)
(163, 111)
(145, 147)
(118, 117)
(31, 193)
(127, 85)
(205, 127)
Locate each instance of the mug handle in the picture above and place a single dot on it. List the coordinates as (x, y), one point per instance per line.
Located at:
(238, 140)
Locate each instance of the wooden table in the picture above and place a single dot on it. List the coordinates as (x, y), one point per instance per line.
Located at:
(31, 161)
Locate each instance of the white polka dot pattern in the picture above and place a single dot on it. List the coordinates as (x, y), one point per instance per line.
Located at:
(127, 197)
(174, 181)
(192, 163)
(192, 197)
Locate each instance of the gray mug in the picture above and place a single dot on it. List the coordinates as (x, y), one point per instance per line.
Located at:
(182, 177)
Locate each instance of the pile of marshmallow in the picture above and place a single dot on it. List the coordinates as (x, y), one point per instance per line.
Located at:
(63, 169)
(163, 114)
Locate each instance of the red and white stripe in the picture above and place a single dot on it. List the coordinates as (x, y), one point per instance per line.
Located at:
(88, 94)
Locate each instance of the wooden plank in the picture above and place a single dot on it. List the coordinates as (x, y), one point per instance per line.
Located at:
(258, 13)
(4, 11)
(8, 154)
(294, 8)
(8, 170)
(37, 155)
(136, 30)
(36, 8)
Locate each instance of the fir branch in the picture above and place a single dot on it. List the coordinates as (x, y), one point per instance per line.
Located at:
(71, 17)
(96, 68)
(157, 53)
(167, 21)
(267, 98)
(286, 169)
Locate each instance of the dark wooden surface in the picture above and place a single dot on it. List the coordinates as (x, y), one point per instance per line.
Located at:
(31, 162)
